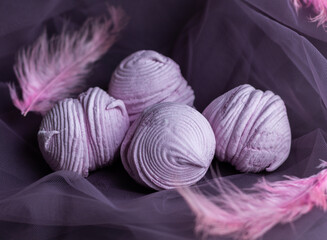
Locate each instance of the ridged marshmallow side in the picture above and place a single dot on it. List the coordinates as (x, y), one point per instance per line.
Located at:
(147, 77)
(251, 128)
(169, 145)
(83, 134)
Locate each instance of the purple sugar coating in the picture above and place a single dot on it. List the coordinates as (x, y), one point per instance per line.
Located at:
(147, 77)
(83, 134)
(169, 145)
(251, 128)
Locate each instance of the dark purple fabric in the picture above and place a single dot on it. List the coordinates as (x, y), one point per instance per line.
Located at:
(219, 45)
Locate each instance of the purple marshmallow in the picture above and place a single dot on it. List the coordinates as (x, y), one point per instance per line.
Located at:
(147, 77)
(83, 134)
(251, 128)
(169, 145)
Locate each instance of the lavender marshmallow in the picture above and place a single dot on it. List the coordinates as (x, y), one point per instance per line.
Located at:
(169, 145)
(147, 77)
(251, 128)
(83, 134)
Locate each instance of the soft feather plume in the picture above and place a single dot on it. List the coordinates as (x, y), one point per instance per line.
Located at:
(248, 215)
(51, 70)
(319, 7)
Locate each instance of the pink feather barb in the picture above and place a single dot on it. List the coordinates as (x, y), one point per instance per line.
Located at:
(248, 215)
(319, 8)
(54, 69)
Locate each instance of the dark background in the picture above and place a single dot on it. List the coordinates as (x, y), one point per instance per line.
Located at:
(219, 45)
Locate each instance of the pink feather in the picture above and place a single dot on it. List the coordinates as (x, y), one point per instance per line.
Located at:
(51, 70)
(248, 215)
(319, 7)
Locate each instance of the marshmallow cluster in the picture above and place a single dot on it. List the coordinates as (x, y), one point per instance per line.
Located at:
(169, 143)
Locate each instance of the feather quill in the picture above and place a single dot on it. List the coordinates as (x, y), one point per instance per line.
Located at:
(319, 8)
(248, 215)
(54, 69)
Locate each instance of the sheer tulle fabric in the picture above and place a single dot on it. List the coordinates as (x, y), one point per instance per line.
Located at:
(219, 45)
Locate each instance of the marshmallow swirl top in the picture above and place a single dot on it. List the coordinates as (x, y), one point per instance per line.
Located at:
(251, 128)
(83, 134)
(147, 77)
(169, 145)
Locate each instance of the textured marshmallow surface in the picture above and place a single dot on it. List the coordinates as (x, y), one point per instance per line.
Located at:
(169, 145)
(251, 128)
(83, 134)
(147, 77)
